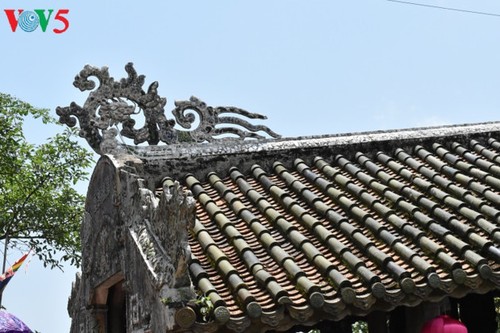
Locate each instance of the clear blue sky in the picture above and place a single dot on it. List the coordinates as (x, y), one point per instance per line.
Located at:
(314, 67)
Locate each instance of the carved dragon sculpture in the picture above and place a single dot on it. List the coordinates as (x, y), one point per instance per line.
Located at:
(115, 103)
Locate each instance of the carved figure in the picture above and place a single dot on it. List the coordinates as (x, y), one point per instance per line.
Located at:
(115, 103)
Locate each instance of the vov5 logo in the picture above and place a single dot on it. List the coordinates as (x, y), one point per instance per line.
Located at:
(29, 20)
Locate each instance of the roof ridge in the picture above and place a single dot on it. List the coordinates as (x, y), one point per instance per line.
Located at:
(229, 146)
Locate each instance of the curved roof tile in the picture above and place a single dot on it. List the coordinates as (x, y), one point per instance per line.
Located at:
(335, 233)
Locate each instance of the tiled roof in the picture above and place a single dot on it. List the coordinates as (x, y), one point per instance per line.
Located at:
(347, 232)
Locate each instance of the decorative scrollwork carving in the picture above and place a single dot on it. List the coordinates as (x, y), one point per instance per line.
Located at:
(115, 103)
(209, 118)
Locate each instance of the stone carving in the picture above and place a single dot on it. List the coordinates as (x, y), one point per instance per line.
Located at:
(302, 314)
(239, 324)
(115, 103)
(335, 308)
(174, 216)
(273, 319)
(135, 310)
(209, 118)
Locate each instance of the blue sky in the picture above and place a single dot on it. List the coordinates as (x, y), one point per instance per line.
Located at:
(313, 67)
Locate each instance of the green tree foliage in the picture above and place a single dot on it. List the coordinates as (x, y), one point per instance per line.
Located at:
(360, 327)
(38, 205)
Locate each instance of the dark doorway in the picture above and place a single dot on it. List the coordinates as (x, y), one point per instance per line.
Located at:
(116, 317)
(478, 312)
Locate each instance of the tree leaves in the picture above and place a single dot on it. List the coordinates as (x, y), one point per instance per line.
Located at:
(38, 206)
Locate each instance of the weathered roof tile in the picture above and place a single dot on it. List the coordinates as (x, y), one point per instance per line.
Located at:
(347, 229)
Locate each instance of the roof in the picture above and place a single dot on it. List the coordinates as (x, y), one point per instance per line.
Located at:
(326, 227)
(293, 231)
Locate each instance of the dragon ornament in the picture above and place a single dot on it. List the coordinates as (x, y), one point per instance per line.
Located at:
(115, 104)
